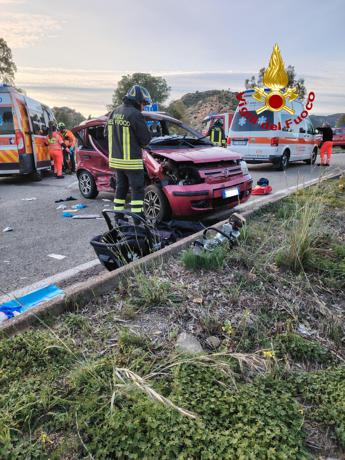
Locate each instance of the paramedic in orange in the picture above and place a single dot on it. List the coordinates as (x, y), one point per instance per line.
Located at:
(70, 142)
(55, 142)
(327, 143)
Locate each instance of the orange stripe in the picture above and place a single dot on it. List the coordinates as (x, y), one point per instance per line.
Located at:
(282, 140)
(8, 156)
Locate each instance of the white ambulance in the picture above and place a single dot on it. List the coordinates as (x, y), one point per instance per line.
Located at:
(276, 137)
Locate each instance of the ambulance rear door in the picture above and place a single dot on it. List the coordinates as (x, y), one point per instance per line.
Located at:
(9, 161)
(39, 117)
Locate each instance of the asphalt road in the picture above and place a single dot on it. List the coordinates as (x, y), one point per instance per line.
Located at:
(40, 230)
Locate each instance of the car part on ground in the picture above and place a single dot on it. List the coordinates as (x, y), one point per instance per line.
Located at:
(229, 234)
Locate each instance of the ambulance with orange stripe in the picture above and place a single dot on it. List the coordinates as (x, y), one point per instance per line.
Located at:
(276, 137)
(23, 134)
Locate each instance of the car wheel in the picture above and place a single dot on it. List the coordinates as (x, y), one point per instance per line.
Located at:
(87, 185)
(156, 206)
(283, 162)
(313, 158)
(343, 147)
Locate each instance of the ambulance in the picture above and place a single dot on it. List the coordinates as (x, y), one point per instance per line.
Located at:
(23, 133)
(209, 121)
(276, 137)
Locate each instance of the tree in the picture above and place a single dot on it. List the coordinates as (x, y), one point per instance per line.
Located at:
(7, 65)
(293, 82)
(68, 116)
(157, 87)
(340, 121)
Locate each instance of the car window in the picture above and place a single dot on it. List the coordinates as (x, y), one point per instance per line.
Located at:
(310, 127)
(6, 120)
(241, 123)
(95, 138)
(36, 114)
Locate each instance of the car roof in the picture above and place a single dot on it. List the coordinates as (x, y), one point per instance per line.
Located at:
(157, 116)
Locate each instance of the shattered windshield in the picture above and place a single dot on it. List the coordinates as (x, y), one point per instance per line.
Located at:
(168, 133)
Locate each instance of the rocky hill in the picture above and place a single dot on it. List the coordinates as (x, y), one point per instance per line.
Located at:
(194, 107)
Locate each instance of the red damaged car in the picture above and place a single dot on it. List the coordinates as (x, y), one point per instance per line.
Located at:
(185, 173)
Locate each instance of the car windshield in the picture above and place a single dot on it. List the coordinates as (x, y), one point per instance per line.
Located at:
(6, 120)
(170, 134)
(241, 123)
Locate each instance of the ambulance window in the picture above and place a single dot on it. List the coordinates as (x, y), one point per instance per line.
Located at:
(6, 120)
(241, 123)
(286, 121)
(310, 127)
(37, 118)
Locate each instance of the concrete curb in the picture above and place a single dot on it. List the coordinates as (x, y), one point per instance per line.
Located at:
(80, 294)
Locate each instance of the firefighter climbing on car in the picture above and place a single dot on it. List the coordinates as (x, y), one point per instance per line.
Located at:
(127, 135)
(69, 149)
(216, 133)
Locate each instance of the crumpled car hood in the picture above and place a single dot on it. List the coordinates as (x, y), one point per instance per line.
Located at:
(198, 154)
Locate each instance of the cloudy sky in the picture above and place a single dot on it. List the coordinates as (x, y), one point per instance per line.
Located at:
(73, 52)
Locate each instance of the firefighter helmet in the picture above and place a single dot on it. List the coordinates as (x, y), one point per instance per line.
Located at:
(139, 95)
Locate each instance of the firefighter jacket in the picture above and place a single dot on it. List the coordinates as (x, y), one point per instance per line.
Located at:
(217, 135)
(127, 135)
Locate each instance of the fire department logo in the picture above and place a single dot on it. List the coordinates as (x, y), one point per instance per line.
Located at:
(275, 78)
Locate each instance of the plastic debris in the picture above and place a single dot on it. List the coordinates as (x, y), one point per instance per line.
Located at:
(29, 199)
(56, 256)
(61, 206)
(106, 199)
(79, 206)
(7, 229)
(69, 198)
(15, 307)
(87, 216)
(67, 214)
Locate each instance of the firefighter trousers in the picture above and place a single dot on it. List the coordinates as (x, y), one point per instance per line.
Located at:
(133, 180)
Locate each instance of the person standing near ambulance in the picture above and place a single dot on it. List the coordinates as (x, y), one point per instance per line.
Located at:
(327, 143)
(55, 143)
(70, 142)
(127, 135)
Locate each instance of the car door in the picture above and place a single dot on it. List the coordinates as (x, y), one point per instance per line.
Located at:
(309, 138)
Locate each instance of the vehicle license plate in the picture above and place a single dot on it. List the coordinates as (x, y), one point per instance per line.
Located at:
(230, 192)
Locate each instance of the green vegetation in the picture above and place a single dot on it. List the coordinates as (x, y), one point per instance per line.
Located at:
(102, 383)
(205, 260)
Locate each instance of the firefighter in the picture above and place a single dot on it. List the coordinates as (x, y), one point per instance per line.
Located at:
(70, 143)
(127, 135)
(55, 143)
(216, 133)
(327, 143)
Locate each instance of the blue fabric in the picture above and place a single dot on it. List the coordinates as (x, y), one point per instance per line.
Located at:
(30, 300)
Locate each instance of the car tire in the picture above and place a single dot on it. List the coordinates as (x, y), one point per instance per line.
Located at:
(283, 163)
(313, 158)
(87, 185)
(156, 205)
(342, 147)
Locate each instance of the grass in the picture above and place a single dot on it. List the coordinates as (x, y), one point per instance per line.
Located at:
(107, 382)
(205, 260)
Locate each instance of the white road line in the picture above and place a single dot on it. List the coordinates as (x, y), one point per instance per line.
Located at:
(50, 280)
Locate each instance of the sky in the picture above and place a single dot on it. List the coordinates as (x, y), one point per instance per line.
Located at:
(73, 52)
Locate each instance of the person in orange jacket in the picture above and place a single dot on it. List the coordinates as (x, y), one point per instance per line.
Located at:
(70, 142)
(55, 143)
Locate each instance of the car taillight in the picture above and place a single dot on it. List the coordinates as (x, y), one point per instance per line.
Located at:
(228, 141)
(20, 141)
(274, 141)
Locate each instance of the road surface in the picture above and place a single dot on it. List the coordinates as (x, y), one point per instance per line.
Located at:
(39, 229)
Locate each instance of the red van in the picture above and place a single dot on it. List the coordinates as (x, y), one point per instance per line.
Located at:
(185, 173)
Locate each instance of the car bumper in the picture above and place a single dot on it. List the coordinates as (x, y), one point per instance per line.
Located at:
(202, 198)
(262, 159)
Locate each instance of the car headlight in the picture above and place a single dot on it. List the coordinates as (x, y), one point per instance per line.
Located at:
(244, 167)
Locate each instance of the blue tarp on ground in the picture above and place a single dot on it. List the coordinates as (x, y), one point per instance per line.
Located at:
(30, 300)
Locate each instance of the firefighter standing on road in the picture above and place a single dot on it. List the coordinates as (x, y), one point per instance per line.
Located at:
(327, 143)
(216, 133)
(127, 135)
